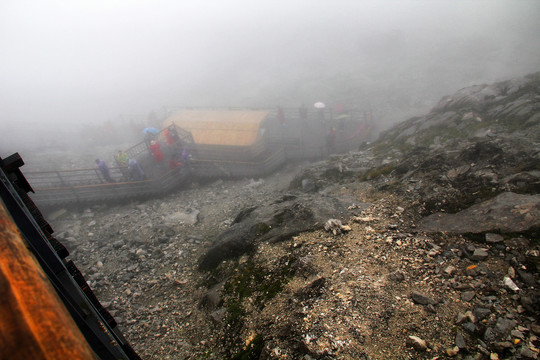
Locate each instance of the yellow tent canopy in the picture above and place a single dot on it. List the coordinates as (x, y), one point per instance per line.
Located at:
(220, 127)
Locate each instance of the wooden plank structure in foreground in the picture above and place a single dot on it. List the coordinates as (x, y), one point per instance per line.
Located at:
(34, 324)
(48, 310)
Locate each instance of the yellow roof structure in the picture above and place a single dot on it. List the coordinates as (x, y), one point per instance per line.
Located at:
(220, 127)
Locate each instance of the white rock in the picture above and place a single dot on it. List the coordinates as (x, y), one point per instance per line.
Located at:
(510, 284)
(417, 343)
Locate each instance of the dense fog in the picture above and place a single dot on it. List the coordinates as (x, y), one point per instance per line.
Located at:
(68, 66)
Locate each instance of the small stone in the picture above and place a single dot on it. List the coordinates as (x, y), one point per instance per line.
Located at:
(218, 315)
(526, 277)
(504, 326)
(517, 334)
(535, 328)
(469, 327)
(511, 272)
(502, 346)
(416, 343)
(528, 353)
(494, 238)
(510, 284)
(450, 270)
(470, 248)
(99, 264)
(481, 313)
(467, 295)
(118, 244)
(493, 356)
(460, 341)
(396, 276)
(489, 335)
(467, 316)
(479, 254)
(422, 299)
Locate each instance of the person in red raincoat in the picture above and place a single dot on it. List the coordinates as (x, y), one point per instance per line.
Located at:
(155, 148)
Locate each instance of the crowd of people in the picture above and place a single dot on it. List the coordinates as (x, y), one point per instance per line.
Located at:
(155, 160)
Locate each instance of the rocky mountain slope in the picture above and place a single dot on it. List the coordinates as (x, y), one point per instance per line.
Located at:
(422, 245)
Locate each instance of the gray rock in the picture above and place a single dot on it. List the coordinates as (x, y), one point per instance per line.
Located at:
(467, 295)
(526, 277)
(218, 315)
(494, 238)
(527, 353)
(275, 222)
(503, 346)
(460, 341)
(118, 244)
(535, 328)
(396, 276)
(529, 303)
(212, 299)
(469, 327)
(489, 335)
(481, 313)
(479, 254)
(422, 299)
(163, 239)
(507, 212)
(504, 326)
(454, 173)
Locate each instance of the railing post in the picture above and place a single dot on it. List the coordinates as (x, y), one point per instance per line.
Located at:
(60, 178)
(99, 177)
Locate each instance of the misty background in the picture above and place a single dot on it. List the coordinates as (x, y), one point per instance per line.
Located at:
(65, 66)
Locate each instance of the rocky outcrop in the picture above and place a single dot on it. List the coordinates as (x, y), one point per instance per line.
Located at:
(273, 222)
(501, 109)
(506, 213)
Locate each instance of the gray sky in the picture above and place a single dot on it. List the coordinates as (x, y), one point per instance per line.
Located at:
(90, 61)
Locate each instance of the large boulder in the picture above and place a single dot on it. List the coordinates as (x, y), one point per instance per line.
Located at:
(278, 221)
(506, 213)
